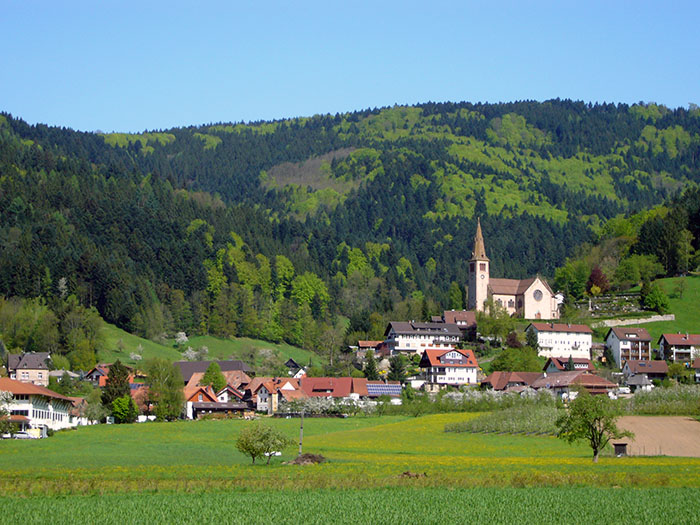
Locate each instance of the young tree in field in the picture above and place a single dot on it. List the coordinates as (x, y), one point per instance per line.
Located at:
(593, 419)
(370, 369)
(117, 384)
(258, 440)
(214, 377)
(165, 389)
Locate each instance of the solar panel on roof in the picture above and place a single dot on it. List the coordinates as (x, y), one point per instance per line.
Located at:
(382, 389)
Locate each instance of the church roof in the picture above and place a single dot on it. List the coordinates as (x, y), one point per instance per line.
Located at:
(479, 253)
(510, 286)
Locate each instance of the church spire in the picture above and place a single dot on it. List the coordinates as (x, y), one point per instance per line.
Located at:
(479, 253)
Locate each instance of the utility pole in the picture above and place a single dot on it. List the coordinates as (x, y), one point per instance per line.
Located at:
(301, 431)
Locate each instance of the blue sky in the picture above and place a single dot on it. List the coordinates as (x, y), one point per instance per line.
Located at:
(132, 66)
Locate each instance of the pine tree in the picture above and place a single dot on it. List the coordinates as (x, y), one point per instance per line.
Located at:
(370, 370)
(117, 384)
(570, 364)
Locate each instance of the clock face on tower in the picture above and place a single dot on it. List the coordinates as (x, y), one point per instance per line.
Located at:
(482, 276)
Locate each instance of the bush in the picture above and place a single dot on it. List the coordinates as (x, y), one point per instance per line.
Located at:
(257, 440)
(680, 400)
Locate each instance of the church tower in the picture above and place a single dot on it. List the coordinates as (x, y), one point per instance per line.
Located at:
(478, 272)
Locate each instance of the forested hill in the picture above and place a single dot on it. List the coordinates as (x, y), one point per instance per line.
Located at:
(347, 214)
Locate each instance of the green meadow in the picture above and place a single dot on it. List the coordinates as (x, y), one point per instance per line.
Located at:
(685, 306)
(190, 470)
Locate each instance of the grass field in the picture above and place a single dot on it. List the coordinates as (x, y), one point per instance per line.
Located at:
(119, 344)
(363, 452)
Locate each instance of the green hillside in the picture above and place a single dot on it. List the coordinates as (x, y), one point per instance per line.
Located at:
(119, 344)
(685, 307)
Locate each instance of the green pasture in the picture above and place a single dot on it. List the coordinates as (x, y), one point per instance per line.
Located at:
(685, 307)
(362, 452)
(118, 344)
(380, 506)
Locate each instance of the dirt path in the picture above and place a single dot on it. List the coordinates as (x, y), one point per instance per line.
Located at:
(662, 436)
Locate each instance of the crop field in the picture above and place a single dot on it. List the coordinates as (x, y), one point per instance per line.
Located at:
(394, 505)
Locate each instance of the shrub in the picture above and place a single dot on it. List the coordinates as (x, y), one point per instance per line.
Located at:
(257, 440)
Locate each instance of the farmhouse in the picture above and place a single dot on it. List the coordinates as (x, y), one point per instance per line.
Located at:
(36, 407)
(681, 348)
(529, 298)
(566, 382)
(563, 340)
(627, 343)
(651, 369)
(30, 367)
(449, 367)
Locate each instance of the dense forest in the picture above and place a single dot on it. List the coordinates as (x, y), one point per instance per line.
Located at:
(283, 230)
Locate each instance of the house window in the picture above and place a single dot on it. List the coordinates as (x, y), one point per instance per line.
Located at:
(201, 397)
(25, 375)
(511, 303)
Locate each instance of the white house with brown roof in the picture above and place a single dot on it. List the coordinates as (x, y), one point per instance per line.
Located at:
(627, 343)
(449, 367)
(680, 347)
(563, 339)
(36, 407)
(528, 298)
(414, 338)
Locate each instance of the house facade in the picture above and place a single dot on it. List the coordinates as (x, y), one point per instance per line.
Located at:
(30, 367)
(679, 348)
(414, 338)
(449, 367)
(651, 369)
(36, 407)
(528, 298)
(627, 343)
(563, 340)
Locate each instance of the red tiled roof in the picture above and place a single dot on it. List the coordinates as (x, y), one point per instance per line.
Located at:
(460, 317)
(510, 286)
(369, 344)
(629, 333)
(647, 367)
(433, 356)
(326, 386)
(17, 387)
(562, 327)
(577, 377)
(192, 392)
(500, 380)
(681, 339)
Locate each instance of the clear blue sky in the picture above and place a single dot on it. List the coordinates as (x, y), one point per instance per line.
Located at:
(131, 66)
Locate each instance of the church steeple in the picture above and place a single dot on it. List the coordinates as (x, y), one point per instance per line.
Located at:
(479, 253)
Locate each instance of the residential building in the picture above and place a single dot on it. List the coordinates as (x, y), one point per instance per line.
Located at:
(414, 338)
(563, 340)
(560, 364)
(625, 343)
(652, 369)
(464, 319)
(36, 407)
(681, 348)
(98, 375)
(510, 380)
(529, 298)
(449, 367)
(696, 366)
(29, 367)
(567, 382)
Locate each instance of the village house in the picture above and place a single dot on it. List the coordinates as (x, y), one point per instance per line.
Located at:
(562, 339)
(679, 347)
(510, 381)
(449, 367)
(564, 383)
(202, 400)
(30, 367)
(36, 407)
(627, 343)
(696, 366)
(464, 319)
(98, 375)
(528, 298)
(560, 364)
(651, 369)
(411, 338)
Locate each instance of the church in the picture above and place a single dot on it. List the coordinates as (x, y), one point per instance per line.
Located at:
(530, 298)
